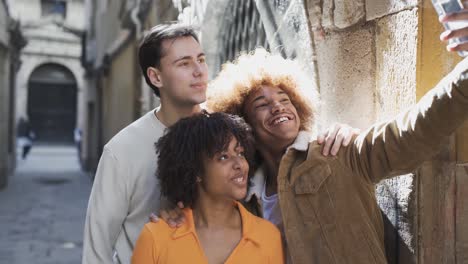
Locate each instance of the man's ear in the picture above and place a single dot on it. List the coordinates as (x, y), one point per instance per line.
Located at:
(155, 76)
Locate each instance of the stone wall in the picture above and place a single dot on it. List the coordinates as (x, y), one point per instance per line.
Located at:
(4, 116)
(11, 41)
(4, 111)
(389, 51)
(4, 20)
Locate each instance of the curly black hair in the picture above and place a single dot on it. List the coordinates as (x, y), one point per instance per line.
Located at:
(182, 149)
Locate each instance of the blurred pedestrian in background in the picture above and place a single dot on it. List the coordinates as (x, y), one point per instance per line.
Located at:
(25, 136)
(77, 138)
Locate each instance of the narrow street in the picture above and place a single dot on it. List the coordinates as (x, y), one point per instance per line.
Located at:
(43, 209)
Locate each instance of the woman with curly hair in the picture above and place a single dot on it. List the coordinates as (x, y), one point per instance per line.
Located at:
(203, 161)
(326, 206)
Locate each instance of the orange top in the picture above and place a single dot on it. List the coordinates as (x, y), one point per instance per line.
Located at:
(159, 243)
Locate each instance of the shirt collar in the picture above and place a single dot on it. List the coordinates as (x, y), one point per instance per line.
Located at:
(248, 221)
(248, 225)
(301, 143)
(188, 227)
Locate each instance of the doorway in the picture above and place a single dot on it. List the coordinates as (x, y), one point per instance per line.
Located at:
(52, 97)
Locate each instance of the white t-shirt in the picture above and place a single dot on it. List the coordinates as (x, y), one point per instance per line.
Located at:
(271, 209)
(272, 212)
(125, 191)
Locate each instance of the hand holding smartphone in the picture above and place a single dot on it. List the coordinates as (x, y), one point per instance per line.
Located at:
(445, 7)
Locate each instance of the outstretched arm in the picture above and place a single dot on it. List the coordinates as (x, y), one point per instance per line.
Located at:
(400, 145)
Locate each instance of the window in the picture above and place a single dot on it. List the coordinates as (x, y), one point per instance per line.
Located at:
(54, 8)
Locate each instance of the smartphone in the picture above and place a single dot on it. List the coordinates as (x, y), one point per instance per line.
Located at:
(443, 7)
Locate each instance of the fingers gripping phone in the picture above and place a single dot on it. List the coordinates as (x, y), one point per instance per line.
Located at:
(444, 7)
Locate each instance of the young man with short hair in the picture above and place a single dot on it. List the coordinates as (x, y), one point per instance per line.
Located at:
(125, 189)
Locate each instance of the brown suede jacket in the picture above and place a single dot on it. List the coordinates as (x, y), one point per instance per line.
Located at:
(330, 213)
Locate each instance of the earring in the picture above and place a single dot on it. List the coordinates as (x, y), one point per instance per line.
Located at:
(199, 179)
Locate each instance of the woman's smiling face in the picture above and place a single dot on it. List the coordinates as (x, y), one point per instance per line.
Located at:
(226, 173)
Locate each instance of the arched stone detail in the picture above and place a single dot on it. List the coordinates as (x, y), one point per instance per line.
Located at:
(27, 67)
(30, 64)
(37, 75)
(52, 102)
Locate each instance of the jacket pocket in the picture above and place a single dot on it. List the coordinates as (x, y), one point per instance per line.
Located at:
(311, 194)
(308, 180)
(316, 216)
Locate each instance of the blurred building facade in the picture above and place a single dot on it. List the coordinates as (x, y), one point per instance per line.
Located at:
(11, 42)
(50, 88)
(369, 60)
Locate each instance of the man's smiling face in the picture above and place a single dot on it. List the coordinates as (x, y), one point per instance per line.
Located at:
(272, 116)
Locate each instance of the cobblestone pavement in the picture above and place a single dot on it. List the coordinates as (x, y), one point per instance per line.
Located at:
(43, 208)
